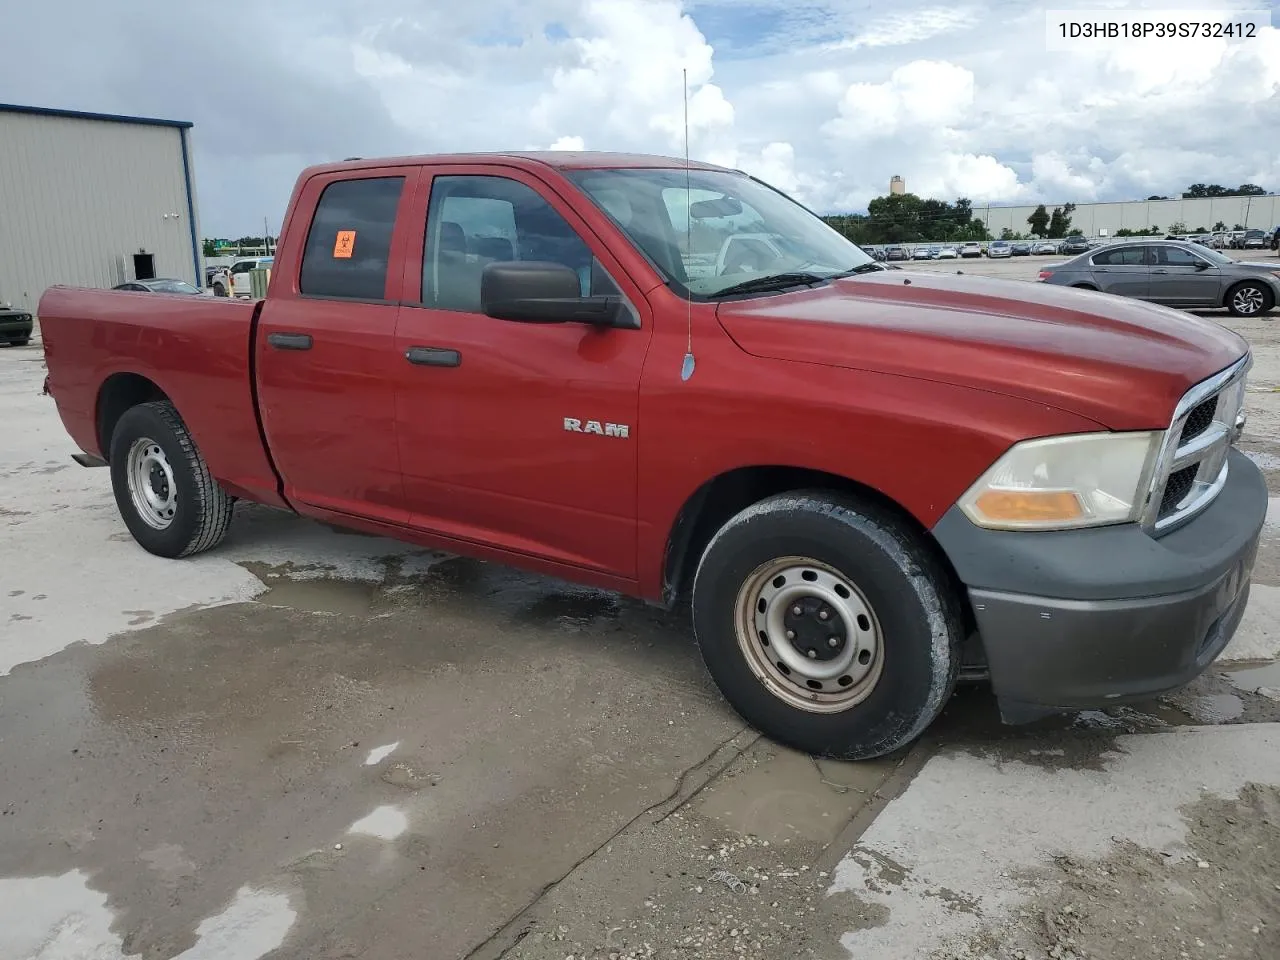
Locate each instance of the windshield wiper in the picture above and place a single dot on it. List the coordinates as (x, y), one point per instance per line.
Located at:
(776, 281)
(870, 267)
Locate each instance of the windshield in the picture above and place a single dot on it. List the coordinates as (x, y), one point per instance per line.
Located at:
(1213, 255)
(171, 286)
(718, 231)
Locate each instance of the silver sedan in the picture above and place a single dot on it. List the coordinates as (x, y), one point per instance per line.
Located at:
(1172, 273)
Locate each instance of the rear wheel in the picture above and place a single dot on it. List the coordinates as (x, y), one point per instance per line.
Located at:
(828, 624)
(163, 489)
(1249, 299)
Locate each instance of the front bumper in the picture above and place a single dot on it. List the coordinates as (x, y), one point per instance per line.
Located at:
(16, 326)
(1087, 618)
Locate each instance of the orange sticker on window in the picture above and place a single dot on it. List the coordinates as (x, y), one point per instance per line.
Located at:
(344, 244)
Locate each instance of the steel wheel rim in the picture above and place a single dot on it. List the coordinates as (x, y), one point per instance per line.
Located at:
(794, 655)
(151, 485)
(1247, 300)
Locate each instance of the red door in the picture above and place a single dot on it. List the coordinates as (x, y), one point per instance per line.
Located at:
(519, 436)
(326, 358)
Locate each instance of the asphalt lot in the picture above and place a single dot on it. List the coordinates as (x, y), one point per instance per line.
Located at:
(316, 744)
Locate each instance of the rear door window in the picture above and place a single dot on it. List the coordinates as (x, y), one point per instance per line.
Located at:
(349, 245)
(1121, 257)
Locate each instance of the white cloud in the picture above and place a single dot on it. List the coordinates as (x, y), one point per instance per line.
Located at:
(823, 98)
(923, 93)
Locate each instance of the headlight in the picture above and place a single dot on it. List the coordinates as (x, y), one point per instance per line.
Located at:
(1081, 480)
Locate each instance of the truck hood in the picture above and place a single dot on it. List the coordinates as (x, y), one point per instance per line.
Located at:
(1122, 363)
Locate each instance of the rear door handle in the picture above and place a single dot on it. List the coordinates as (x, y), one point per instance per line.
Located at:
(290, 341)
(433, 357)
(1159, 271)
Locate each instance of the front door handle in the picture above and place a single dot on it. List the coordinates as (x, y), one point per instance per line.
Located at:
(290, 341)
(1159, 271)
(433, 357)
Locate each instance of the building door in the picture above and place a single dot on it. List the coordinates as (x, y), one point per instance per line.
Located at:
(144, 266)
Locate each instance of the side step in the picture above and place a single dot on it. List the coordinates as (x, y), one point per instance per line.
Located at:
(88, 460)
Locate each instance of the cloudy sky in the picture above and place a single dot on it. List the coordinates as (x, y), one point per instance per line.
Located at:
(825, 98)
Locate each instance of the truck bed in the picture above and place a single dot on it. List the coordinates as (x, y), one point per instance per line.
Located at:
(105, 347)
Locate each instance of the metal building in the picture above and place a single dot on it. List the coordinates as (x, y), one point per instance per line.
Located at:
(1091, 219)
(93, 199)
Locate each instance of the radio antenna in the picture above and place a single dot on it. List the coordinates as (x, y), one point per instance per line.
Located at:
(686, 370)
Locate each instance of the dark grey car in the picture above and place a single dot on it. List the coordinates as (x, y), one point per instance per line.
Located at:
(1172, 273)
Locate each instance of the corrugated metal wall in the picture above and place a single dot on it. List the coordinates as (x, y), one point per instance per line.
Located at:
(79, 197)
(1261, 213)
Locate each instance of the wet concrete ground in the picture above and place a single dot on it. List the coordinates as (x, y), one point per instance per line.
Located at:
(315, 744)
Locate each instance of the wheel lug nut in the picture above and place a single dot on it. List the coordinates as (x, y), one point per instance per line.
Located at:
(823, 615)
(797, 610)
(833, 641)
(791, 634)
(813, 654)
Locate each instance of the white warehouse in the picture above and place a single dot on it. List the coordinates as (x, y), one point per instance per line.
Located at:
(92, 199)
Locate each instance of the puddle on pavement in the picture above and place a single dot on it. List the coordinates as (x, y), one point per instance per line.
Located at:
(384, 823)
(378, 754)
(781, 796)
(352, 598)
(64, 916)
(528, 597)
(1264, 680)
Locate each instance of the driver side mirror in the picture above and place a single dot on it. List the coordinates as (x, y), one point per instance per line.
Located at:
(1201, 265)
(529, 291)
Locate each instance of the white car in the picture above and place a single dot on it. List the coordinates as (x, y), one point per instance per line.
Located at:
(948, 253)
(235, 282)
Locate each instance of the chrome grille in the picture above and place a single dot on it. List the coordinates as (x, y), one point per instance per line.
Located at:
(1192, 465)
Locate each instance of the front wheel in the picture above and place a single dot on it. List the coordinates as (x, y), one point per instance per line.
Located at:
(1249, 299)
(828, 624)
(163, 489)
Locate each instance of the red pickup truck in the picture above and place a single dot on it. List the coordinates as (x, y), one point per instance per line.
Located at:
(679, 383)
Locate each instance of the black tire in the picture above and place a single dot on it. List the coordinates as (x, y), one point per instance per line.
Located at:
(1084, 286)
(1251, 292)
(20, 343)
(904, 585)
(201, 510)
(219, 290)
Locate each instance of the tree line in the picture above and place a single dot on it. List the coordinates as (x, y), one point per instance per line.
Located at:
(908, 218)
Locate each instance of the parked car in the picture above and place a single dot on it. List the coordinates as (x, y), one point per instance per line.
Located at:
(922, 253)
(1275, 238)
(1173, 274)
(1044, 247)
(971, 249)
(235, 281)
(1021, 249)
(16, 326)
(1253, 240)
(895, 251)
(948, 253)
(1073, 244)
(999, 248)
(465, 352)
(163, 285)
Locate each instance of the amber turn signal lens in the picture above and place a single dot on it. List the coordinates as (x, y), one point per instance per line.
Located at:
(1023, 506)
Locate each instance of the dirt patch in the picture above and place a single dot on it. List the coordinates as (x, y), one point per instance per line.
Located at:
(1220, 900)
